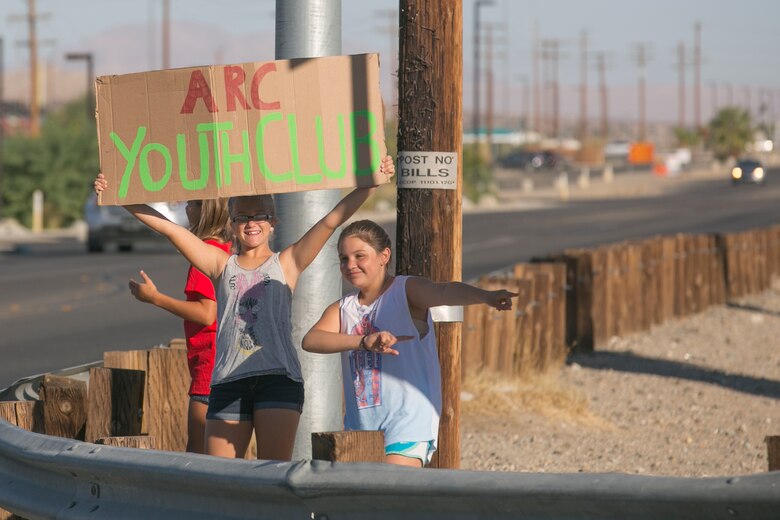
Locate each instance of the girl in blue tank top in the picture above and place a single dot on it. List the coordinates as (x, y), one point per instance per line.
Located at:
(385, 335)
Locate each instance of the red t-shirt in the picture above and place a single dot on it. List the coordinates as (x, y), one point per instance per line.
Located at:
(201, 340)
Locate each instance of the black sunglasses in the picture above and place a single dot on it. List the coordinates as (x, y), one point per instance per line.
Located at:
(243, 219)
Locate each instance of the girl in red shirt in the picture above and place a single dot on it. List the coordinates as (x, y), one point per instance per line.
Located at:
(209, 220)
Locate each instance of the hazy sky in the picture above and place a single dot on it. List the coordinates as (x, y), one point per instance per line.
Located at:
(740, 42)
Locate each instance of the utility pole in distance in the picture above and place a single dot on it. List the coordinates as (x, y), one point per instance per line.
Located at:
(476, 64)
(641, 61)
(428, 240)
(602, 68)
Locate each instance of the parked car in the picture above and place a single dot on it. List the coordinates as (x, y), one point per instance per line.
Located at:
(748, 171)
(539, 160)
(114, 224)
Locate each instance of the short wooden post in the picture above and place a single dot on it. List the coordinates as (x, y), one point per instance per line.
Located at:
(169, 381)
(598, 300)
(64, 407)
(773, 452)
(132, 360)
(348, 446)
(509, 337)
(523, 326)
(115, 402)
(143, 442)
(491, 325)
(472, 341)
(27, 415)
(579, 307)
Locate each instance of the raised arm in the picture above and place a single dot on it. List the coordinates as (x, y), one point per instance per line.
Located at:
(324, 337)
(422, 294)
(299, 255)
(209, 260)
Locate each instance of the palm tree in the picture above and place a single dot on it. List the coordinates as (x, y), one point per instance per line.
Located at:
(729, 132)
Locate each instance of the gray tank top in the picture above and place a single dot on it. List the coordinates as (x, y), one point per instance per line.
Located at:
(254, 332)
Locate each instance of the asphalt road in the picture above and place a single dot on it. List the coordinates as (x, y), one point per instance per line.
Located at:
(60, 307)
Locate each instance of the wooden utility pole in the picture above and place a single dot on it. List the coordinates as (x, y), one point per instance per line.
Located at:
(697, 76)
(602, 66)
(641, 60)
(35, 111)
(584, 85)
(489, 77)
(430, 79)
(535, 79)
(681, 86)
(714, 98)
(550, 56)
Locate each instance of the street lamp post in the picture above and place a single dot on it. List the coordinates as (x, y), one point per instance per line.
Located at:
(86, 56)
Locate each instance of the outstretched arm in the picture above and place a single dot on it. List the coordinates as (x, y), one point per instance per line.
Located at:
(422, 294)
(299, 255)
(324, 337)
(209, 260)
(202, 311)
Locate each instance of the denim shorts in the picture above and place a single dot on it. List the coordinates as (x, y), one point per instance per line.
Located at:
(200, 398)
(237, 400)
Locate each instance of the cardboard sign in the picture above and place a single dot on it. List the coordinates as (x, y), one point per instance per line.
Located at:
(226, 130)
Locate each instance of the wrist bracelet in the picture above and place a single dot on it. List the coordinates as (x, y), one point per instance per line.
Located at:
(362, 343)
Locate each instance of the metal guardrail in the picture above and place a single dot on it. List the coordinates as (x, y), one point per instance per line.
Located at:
(43, 477)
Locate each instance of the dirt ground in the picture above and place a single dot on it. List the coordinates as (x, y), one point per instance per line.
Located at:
(692, 397)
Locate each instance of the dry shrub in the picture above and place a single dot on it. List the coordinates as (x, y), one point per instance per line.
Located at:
(543, 394)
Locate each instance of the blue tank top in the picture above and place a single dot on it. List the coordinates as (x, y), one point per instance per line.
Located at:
(400, 395)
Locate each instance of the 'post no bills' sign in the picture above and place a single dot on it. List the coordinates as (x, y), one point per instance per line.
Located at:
(264, 127)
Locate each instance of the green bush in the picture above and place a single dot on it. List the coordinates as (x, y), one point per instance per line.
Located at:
(61, 163)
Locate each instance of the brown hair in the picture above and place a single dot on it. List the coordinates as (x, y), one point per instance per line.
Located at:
(369, 232)
(214, 221)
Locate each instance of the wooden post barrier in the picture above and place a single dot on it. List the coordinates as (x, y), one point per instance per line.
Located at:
(668, 283)
(507, 334)
(491, 326)
(717, 273)
(649, 259)
(773, 452)
(132, 360)
(64, 406)
(579, 308)
(523, 327)
(27, 415)
(472, 341)
(599, 299)
(114, 402)
(348, 446)
(165, 396)
(141, 442)
(637, 299)
(168, 384)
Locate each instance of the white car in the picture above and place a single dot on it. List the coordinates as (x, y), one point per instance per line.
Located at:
(114, 224)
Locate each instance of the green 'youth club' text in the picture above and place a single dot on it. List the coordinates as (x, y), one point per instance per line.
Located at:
(214, 140)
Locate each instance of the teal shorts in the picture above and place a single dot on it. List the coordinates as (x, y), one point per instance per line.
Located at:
(423, 451)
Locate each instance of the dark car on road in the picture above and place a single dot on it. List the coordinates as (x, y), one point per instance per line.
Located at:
(114, 225)
(537, 160)
(748, 171)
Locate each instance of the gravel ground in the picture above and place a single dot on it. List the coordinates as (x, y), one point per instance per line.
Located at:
(692, 397)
